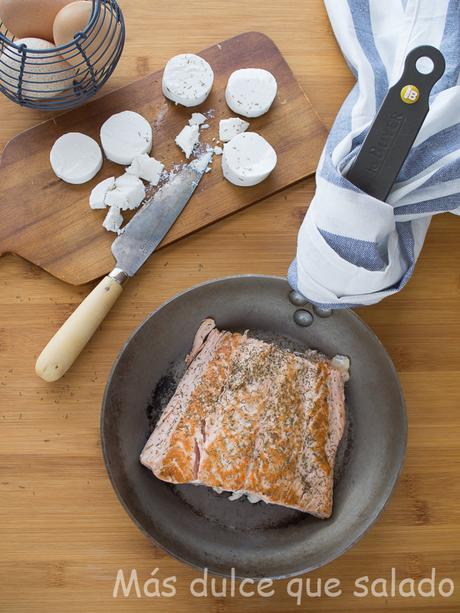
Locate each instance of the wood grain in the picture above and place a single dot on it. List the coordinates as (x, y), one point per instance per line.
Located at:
(63, 533)
(36, 204)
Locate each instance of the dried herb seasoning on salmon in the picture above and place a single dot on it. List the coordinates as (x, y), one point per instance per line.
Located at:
(254, 419)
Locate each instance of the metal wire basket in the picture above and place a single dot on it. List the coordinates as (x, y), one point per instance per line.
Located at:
(61, 77)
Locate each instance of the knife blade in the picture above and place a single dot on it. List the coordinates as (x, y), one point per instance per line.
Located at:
(146, 230)
(139, 239)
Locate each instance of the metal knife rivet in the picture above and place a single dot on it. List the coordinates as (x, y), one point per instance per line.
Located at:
(303, 318)
(322, 312)
(297, 299)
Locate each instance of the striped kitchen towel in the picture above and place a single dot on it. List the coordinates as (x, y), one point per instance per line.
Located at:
(353, 249)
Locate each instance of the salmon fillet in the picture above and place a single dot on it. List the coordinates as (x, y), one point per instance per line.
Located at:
(250, 417)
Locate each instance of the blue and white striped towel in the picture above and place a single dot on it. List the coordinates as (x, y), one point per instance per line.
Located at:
(353, 249)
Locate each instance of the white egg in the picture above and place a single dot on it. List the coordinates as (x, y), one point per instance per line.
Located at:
(43, 77)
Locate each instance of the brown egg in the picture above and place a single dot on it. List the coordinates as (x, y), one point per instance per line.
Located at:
(101, 40)
(30, 18)
(42, 80)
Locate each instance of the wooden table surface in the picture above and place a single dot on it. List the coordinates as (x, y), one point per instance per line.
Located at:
(63, 534)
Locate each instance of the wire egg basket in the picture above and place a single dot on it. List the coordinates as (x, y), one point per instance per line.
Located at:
(66, 76)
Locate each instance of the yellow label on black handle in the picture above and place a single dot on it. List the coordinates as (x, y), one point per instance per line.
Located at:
(410, 94)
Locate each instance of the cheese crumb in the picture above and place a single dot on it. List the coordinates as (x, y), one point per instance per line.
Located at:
(133, 188)
(197, 119)
(147, 168)
(128, 193)
(187, 138)
(113, 220)
(229, 128)
(97, 196)
(117, 199)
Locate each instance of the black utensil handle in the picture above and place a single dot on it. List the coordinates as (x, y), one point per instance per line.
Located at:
(396, 125)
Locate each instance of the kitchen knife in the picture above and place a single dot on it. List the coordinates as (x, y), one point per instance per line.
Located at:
(131, 249)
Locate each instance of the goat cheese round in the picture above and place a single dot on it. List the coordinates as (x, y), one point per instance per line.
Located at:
(126, 135)
(250, 91)
(248, 159)
(187, 79)
(76, 158)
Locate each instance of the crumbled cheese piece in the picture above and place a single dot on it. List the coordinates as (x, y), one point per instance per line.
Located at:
(205, 126)
(197, 119)
(133, 188)
(229, 128)
(97, 196)
(116, 198)
(128, 193)
(147, 168)
(218, 150)
(113, 220)
(201, 163)
(187, 138)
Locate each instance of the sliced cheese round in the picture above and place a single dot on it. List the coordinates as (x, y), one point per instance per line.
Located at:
(187, 79)
(248, 159)
(76, 158)
(126, 135)
(251, 91)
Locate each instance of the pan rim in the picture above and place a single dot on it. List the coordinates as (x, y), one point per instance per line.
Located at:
(399, 459)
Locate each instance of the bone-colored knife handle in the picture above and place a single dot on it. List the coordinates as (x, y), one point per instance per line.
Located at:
(69, 341)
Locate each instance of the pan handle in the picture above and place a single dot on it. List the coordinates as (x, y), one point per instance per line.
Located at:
(396, 125)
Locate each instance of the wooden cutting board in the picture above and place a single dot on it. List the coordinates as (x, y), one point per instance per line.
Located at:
(49, 222)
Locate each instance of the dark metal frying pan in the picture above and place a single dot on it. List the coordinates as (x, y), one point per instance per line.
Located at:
(203, 528)
(195, 524)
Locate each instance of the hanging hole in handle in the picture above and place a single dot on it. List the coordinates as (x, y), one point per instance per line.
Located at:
(424, 65)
